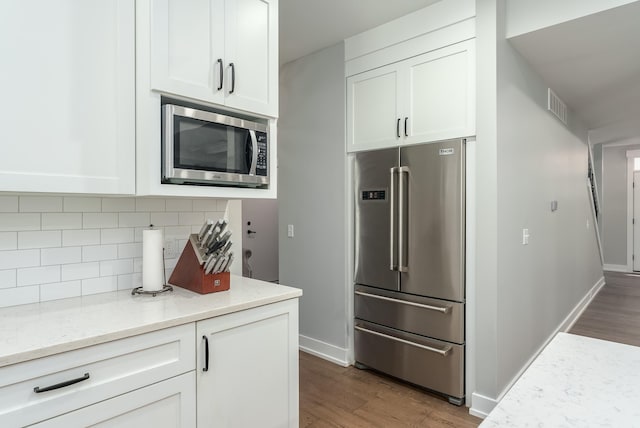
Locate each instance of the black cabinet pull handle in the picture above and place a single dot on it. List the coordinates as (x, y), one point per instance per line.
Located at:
(38, 390)
(233, 77)
(405, 126)
(206, 354)
(398, 128)
(221, 68)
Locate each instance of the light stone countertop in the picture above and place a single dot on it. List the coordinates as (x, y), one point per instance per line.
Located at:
(576, 381)
(41, 329)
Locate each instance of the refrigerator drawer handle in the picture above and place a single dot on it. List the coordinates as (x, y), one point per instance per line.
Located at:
(444, 352)
(443, 309)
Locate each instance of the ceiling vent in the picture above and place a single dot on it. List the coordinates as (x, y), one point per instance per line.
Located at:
(556, 106)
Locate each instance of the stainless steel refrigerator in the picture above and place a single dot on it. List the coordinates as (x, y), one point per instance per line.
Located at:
(410, 264)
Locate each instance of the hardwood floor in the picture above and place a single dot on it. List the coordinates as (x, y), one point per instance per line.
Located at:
(334, 396)
(614, 314)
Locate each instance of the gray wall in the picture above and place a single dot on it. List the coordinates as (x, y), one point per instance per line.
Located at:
(312, 191)
(614, 203)
(536, 160)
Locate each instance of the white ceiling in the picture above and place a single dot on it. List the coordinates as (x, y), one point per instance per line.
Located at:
(593, 64)
(310, 25)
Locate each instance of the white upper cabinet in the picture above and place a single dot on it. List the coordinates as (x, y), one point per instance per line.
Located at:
(67, 79)
(373, 106)
(223, 52)
(427, 97)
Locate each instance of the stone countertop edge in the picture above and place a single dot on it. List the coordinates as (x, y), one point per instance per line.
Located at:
(32, 331)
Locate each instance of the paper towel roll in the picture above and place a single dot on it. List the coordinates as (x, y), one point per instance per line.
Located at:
(152, 263)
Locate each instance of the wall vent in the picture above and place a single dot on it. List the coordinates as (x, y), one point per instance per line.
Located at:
(556, 106)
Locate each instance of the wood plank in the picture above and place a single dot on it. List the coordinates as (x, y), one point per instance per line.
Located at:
(334, 396)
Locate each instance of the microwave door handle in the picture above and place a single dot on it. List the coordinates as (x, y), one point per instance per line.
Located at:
(254, 152)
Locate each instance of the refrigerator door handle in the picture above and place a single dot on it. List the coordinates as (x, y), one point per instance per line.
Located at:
(444, 352)
(443, 309)
(402, 195)
(393, 265)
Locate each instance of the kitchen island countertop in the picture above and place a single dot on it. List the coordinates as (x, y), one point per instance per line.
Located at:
(37, 330)
(576, 381)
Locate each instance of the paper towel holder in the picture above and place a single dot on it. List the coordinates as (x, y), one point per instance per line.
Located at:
(165, 288)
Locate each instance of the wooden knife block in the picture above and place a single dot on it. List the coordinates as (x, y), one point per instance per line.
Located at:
(189, 273)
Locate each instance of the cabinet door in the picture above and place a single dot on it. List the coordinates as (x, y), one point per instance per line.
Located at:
(167, 404)
(67, 80)
(251, 80)
(187, 48)
(252, 376)
(440, 97)
(373, 109)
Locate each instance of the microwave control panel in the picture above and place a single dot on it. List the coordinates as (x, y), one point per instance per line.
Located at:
(261, 166)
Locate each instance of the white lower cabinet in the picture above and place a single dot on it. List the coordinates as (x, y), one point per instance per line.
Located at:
(247, 374)
(167, 404)
(158, 380)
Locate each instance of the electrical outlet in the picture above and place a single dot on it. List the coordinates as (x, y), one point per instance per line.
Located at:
(170, 248)
(525, 236)
(290, 231)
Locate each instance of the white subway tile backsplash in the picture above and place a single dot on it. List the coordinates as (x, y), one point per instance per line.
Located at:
(130, 251)
(99, 285)
(8, 241)
(80, 271)
(116, 236)
(40, 204)
(8, 204)
(164, 219)
(179, 205)
(8, 277)
(61, 256)
(74, 238)
(178, 232)
(61, 221)
(38, 275)
(54, 247)
(94, 253)
(150, 204)
(118, 205)
(60, 290)
(222, 205)
(99, 220)
(19, 222)
(194, 218)
(82, 204)
(129, 281)
(133, 219)
(39, 239)
(19, 259)
(116, 267)
(19, 295)
(205, 205)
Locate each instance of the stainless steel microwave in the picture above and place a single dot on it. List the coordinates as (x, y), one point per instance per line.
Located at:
(201, 147)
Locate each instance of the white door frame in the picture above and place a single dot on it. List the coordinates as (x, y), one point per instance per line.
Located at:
(631, 155)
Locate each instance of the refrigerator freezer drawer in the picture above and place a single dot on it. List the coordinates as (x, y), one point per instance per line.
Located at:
(432, 364)
(441, 319)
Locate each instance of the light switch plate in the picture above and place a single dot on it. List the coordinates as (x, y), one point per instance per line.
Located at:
(525, 236)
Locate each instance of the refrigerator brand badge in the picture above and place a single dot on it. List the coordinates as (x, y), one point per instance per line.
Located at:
(445, 152)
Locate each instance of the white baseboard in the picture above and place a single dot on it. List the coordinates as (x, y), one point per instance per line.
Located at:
(615, 268)
(481, 406)
(324, 350)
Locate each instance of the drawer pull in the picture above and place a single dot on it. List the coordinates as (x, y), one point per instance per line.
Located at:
(443, 309)
(444, 352)
(206, 354)
(38, 390)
